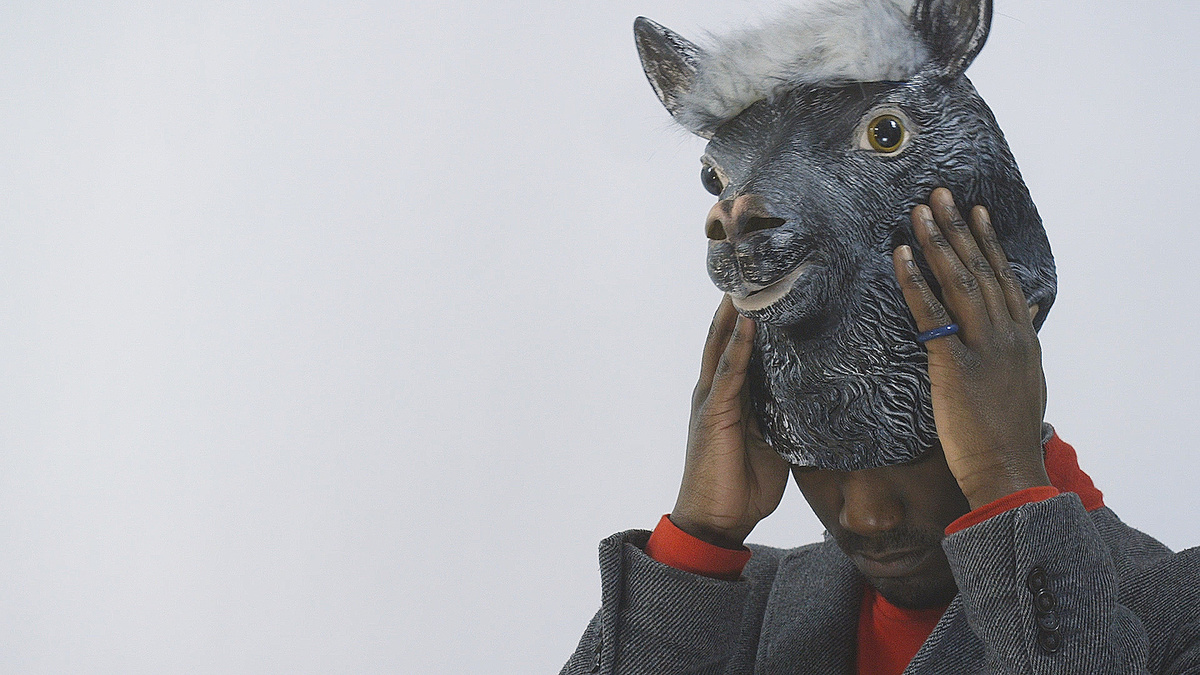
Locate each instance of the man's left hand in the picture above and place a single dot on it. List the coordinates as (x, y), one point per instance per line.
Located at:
(989, 392)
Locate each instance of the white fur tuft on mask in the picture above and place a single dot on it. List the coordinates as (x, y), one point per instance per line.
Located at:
(815, 42)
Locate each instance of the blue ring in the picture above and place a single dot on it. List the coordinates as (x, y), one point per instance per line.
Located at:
(936, 333)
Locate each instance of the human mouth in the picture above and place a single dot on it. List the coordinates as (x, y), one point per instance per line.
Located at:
(897, 563)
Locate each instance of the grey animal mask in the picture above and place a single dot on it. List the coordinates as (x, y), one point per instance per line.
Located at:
(825, 129)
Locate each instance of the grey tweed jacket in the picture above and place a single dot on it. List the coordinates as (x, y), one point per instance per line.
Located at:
(1044, 588)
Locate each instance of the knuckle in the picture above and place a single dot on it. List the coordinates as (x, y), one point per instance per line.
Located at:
(934, 308)
(723, 370)
(702, 413)
(990, 240)
(713, 418)
(964, 358)
(967, 281)
(1021, 345)
(1009, 339)
(724, 367)
(939, 240)
(980, 265)
(704, 416)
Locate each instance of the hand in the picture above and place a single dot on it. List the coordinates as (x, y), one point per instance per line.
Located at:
(732, 479)
(989, 392)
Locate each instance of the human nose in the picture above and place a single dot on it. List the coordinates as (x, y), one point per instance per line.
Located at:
(869, 505)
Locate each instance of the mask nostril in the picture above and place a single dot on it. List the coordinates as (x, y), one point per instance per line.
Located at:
(756, 223)
(715, 230)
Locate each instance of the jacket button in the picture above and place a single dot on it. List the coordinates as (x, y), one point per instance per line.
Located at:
(1047, 620)
(1049, 641)
(1045, 601)
(1036, 581)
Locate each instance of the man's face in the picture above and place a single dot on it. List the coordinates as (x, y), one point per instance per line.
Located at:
(891, 522)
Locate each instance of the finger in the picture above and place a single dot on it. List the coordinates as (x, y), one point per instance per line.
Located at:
(1014, 297)
(718, 336)
(959, 287)
(962, 238)
(924, 305)
(730, 375)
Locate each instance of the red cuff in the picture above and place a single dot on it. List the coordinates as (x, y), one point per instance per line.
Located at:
(1019, 498)
(1062, 465)
(672, 546)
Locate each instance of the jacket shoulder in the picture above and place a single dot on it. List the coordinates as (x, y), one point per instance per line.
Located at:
(1160, 587)
(1132, 550)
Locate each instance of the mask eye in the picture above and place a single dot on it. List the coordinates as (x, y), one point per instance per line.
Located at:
(710, 179)
(886, 133)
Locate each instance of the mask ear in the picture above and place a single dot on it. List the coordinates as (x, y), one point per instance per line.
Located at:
(669, 61)
(954, 30)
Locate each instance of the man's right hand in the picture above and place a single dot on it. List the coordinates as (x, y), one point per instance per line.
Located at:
(732, 479)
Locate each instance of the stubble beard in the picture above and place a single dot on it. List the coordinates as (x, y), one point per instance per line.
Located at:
(932, 588)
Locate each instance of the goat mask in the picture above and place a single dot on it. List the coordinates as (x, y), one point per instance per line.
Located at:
(825, 129)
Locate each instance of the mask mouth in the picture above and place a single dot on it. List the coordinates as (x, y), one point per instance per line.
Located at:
(765, 296)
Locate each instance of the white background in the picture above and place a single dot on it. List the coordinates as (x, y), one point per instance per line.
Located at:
(334, 336)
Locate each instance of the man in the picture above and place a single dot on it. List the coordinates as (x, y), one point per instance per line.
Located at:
(992, 553)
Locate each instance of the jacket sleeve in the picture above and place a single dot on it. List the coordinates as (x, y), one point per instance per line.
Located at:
(1040, 589)
(657, 619)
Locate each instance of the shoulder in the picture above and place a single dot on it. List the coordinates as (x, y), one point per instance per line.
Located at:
(1160, 587)
(1132, 550)
(1142, 562)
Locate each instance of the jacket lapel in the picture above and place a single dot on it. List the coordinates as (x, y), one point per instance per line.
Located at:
(811, 623)
(951, 648)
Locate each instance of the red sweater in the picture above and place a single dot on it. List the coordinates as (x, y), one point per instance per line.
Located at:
(888, 636)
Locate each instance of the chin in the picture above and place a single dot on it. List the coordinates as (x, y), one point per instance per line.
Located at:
(924, 592)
